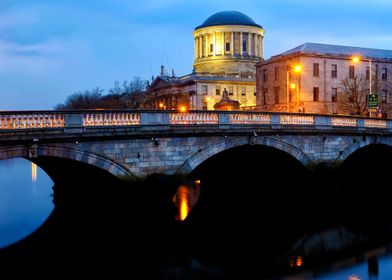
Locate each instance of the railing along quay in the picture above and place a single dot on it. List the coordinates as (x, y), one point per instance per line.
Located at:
(26, 120)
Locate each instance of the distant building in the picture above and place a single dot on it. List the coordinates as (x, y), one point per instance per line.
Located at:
(319, 86)
(227, 47)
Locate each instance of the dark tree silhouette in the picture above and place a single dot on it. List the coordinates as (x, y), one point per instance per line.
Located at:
(131, 95)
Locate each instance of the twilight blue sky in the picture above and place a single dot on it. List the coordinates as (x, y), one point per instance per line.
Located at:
(50, 49)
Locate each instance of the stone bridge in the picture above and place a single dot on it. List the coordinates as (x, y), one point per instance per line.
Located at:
(134, 144)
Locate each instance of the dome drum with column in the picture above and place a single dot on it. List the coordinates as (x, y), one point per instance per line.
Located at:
(228, 42)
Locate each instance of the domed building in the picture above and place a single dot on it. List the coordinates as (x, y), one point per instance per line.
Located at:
(227, 47)
(228, 43)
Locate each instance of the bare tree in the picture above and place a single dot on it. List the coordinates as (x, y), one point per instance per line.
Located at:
(132, 92)
(355, 91)
(87, 99)
(129, 95)
(136, 85)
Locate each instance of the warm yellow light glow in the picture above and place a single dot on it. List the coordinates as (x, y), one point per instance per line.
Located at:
(355, 59)
(186, 198)
(292, 86)
(297, 68)
(184, 209)
(354, 277)
(161, 105)
(298, 261)
(218, 48)
(181, 199)
(33, 172)
(182, 108)
(208, 98)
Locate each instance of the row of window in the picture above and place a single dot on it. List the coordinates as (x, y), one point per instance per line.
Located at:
(334, 72)
(316, 95)
(228, 47)
(230, 90)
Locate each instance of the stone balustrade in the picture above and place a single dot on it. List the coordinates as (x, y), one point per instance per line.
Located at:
(115, 118)
(31, 120)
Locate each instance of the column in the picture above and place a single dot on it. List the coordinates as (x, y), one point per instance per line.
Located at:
(223, 43)
(214, 40)
(207, 49)
(248, 43)
(261, 46)
(255, 44)
(196, 50)
(241, 50)
(232, 44)
(200, 46)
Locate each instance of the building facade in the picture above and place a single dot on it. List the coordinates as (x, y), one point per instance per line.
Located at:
(227, 47)
(326, 79)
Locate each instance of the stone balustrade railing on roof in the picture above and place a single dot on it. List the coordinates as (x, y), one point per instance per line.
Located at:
(32, 120)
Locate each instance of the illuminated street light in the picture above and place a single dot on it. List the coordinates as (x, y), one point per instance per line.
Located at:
(297, 69)
(357, 59)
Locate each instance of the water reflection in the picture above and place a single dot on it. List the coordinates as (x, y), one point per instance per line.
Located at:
(33, 172)
(25, 199)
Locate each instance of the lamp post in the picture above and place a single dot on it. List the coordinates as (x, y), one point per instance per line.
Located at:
(296, 69)
(356, 59)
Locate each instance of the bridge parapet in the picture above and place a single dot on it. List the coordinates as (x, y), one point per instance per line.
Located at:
(34, 119)
(20, 120)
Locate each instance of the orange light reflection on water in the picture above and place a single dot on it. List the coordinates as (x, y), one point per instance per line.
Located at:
(33, 172)
(184, 208)
(185, 198)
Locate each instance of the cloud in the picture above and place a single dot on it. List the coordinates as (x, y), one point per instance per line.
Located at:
(38, 58)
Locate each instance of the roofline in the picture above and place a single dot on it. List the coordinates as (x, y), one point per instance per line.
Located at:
(313, 54)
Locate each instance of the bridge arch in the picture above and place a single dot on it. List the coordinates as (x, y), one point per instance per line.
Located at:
(203, 154)
(98, 161)
(359, 143)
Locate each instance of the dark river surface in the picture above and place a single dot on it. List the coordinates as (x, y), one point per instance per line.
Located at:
(79, 227)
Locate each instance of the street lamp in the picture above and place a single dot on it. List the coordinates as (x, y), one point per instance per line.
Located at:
(356, 59)
(296, 69)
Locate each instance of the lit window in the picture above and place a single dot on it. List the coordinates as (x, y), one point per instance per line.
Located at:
(231, 91)
(243, 91)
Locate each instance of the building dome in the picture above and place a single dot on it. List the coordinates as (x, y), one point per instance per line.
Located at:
(228, 18)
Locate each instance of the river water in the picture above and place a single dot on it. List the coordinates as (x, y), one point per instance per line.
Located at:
(26, 202)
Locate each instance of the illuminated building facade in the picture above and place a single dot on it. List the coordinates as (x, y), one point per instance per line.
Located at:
(318, 86)
(227, 47)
